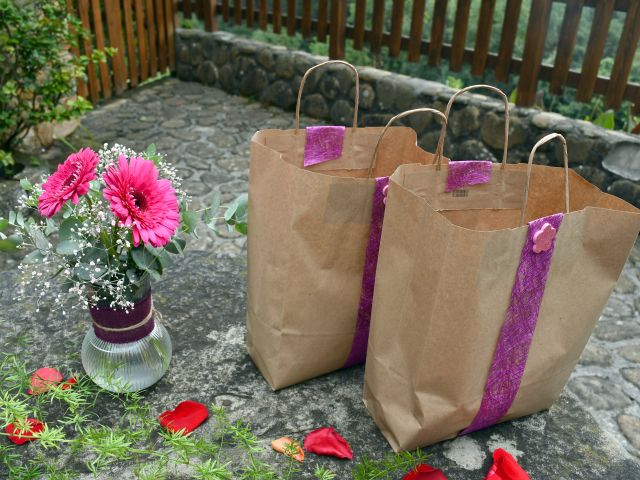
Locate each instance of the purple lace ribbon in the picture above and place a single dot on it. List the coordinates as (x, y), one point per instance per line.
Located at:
(358, 352)
(467, 172)
(108, 323)
(512, 350)
(323, 144)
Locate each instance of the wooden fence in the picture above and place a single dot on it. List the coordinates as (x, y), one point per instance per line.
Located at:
(331, 21)
(141, 31)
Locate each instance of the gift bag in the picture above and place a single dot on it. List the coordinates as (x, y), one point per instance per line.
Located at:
(485, 296)
(310, 215)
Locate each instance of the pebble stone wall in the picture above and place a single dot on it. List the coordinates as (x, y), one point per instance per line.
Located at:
(271, 74)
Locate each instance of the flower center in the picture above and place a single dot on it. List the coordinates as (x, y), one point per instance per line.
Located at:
(139, 200)
(71, 179)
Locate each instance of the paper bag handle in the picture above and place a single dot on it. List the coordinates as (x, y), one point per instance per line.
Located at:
(357, 94)
(439, 150)
(398, 117)
(542, 141)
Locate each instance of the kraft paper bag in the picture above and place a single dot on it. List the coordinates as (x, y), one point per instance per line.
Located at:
(308, 235)
(485, 296)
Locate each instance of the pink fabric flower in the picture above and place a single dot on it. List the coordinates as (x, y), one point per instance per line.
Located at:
(543, 238)
(69, 182)
(140, 201)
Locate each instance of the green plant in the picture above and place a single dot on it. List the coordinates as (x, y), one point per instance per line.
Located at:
(227, 450)
(6, 162)
(37, 71)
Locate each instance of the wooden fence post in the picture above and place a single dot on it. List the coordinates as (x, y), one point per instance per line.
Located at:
(508, 39)
(595, 49)
(337, 29)
(437, 31)
(568, 36)
(533, 50)
(624, 57)
(460, 27)
(210, 21)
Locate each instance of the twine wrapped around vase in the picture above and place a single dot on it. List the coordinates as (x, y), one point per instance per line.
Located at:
(117, 325)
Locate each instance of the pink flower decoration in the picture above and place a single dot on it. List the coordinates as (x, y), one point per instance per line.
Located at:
(140, 201)
(543, 238)
(69, 182)
(385, 190)
(43, 379)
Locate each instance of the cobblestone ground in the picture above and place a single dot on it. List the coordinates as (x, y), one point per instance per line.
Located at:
(206, 133)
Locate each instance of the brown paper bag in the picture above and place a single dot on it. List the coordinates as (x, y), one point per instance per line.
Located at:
(448, 295)
(308, 230)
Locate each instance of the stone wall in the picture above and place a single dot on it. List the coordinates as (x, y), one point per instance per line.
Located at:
(272, 74)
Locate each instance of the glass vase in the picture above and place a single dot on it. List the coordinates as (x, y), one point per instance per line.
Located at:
(126, 350)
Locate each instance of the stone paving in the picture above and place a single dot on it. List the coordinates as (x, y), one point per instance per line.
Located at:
(206, 133)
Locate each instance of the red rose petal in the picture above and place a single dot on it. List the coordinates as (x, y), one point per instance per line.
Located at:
(43, 379)
(281, 445)
(505, 467)
(69, 383)
(326, 441)
(20, 437)
(186, 416)
(425, 472)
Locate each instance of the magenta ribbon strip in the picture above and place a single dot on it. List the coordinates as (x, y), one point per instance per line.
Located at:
(358, 352)
(323, 144)
(119, 318)
(468, 172)
(512, 351)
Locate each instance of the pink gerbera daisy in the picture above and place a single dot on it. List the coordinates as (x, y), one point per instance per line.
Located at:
(140, 201)
(69, 182)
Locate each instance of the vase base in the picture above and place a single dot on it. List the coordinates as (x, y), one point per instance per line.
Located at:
(127, 367)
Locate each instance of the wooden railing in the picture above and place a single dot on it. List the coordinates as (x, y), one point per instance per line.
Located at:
(141, 31)
(331, 21)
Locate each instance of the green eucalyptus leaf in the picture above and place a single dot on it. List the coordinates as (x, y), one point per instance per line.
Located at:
(242, 228)
(83, 272)
(133, 276)
(33, 257)
(20, 219)
(151, 150)
(67, 247)
(238, 209)
(4, 223)
(215, 203)
(143, 259)
(39, 239)
(175, 246)
(181, 243)
(164, 259)
(230, 212)
(155, 275)
(25, 184)
(50, 228)
(10, 243)
(189, 221)
(207, 216)
(12, 217)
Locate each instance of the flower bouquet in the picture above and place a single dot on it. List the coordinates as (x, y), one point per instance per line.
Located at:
(109, 223)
